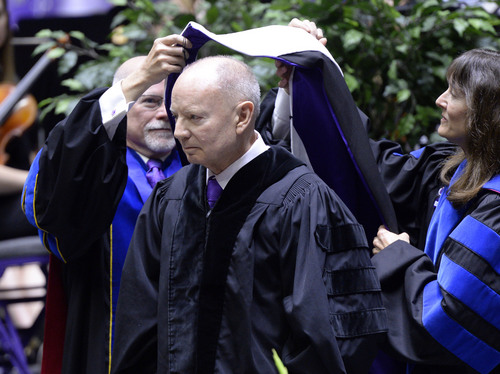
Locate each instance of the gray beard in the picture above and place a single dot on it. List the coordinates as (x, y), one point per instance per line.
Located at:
(158, 143)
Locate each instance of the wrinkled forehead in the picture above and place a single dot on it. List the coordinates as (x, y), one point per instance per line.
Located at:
(157, 89)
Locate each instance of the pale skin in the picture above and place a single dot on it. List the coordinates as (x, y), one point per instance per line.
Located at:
(214, 130)
(385, 237)
(148, 130)
(165, 57)
(12, 180)
(194, 104)
(139, 118)
(453, 125)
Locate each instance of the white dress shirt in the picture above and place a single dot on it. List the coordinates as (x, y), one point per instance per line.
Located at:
(114, 108)
(257, 148)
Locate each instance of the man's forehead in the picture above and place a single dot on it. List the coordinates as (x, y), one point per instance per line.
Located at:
(156, 90)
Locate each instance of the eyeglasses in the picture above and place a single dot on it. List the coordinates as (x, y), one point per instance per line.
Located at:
(150, 102)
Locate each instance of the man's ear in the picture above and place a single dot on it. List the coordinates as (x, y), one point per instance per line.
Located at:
(244, 116)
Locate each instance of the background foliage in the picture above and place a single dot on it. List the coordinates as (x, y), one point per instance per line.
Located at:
(394, 57)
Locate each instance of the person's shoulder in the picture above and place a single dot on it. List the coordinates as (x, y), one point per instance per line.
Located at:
(173, 187)
(289, 182)
(300, 184)
(487, 209)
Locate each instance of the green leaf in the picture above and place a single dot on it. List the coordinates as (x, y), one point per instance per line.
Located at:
(77, 35)
(460, 25)
(45, 102)
(430, 4)
(429, 23)
(406, 124)
(56, 52)
(236, 26)
(403, 48)
(45, 33)
(392, 73)
(135, 33)
(67, 62)
(279, 364)
(118, 2)
(403, 95)
(62, 106)
(247, 19)
(43, 47)
(73, 84)
(351, 82)
(483, 25)
(415, 32)
(47, 107)
(351, 39)
(183, 19)
(119, 19)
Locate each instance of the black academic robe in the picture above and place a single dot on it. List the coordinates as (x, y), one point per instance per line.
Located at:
(412, 181)
(280, 262)
(84, 192)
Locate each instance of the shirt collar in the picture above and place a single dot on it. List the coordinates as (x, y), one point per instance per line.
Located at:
(146, 159)
(257, 148)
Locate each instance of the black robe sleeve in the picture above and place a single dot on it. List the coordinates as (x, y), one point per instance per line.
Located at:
(327, 267)
(432, 308)
(77, 180)
(412, 181)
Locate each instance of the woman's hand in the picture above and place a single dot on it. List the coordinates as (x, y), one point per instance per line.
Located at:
(385, 237)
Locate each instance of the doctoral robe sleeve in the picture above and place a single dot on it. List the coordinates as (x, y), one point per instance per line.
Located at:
(447, 317)
(135, 345)
(412, 181)
(76, 181)
(332, 294)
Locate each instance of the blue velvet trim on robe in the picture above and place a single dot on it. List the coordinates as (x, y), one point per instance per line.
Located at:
(484, 242)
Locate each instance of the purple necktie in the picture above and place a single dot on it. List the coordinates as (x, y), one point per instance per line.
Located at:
(154, 173)
(213, 191)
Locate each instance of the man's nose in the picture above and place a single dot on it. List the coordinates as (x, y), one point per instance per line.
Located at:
(161, 112)
(180, 131)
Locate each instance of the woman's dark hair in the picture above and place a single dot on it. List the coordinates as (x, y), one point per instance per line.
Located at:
(476, 75)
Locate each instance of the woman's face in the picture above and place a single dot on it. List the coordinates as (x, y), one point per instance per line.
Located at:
(453, 117)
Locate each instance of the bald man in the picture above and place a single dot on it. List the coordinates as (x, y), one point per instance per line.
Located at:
(213, 282)
(84, 192)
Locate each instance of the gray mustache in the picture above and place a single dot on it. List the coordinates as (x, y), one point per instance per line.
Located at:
(158, 126)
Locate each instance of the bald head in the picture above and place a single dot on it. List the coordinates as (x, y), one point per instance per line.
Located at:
(234, 79)
(215, 103)
(129, 66)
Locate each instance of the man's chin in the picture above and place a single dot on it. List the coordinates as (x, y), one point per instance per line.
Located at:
(193, 157)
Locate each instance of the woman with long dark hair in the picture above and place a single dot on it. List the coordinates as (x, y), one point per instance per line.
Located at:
(444, 302)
